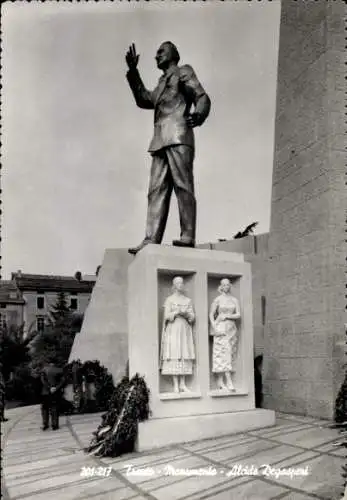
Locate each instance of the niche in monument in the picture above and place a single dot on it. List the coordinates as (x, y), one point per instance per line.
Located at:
(226, 354)
(167, 332)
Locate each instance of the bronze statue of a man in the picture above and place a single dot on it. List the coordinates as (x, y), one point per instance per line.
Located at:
(172, 145)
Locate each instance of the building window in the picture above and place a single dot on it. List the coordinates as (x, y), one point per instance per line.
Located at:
(40, 323)
(263, 309)
(12, 318)
(3, 322)
(73, 303)
(3, 305)
(40, 302)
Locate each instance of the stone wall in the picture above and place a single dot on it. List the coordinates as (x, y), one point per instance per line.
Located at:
(305, 286)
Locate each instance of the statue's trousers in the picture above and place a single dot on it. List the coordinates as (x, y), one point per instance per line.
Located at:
(172, 169)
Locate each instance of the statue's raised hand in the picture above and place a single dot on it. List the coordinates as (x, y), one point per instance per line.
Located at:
(131, 57)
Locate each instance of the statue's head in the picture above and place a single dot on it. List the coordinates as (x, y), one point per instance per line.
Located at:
(167, 54)
(178, 284)
(225, 286)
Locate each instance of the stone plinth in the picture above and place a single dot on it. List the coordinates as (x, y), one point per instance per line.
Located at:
(204, 412)
(104, 333)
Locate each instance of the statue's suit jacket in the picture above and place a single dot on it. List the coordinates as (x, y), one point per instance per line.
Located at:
(176, 92)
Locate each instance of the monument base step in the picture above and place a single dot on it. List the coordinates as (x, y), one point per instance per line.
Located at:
(162, 432)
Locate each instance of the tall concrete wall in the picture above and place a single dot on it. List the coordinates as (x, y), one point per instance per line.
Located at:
(304, 340)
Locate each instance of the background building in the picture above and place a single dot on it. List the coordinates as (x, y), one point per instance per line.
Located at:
(28, 298)
(11, 304)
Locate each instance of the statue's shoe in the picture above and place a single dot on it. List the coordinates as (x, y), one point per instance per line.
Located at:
(231, 388)
(184, 388)
(188, 243)
(135, 250)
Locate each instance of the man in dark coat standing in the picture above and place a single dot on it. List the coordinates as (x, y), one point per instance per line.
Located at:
(51, 394)
(172, 146)
(2, 396)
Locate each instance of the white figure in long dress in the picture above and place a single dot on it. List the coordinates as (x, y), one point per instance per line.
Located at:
(225, 309)
(177, 352)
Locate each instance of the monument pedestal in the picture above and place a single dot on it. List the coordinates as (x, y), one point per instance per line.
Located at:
(204, 411)
(104, 333)
(159, 432)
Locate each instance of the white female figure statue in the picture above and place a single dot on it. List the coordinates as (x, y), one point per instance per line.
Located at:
(177, 346)
(224, 311)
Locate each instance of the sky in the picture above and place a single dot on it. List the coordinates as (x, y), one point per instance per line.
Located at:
(75, 162)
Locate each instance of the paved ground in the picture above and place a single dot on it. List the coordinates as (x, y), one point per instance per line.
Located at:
(48, 465)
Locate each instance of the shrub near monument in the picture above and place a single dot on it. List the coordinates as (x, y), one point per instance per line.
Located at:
(117, 432)
(92, 387)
